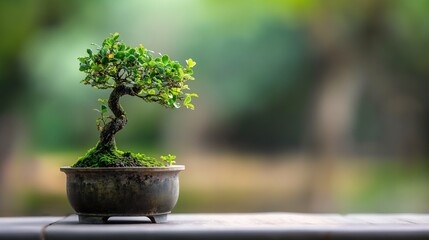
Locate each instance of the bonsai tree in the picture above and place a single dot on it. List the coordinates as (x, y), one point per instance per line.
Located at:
(137, 73)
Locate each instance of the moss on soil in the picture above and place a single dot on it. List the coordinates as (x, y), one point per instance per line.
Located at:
(110, 156)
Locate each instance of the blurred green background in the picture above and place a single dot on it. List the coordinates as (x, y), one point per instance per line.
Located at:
(309, 106)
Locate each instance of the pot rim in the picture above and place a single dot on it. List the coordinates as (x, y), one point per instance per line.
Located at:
(171, 168)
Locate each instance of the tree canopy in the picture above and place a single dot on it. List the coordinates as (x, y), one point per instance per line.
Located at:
(153, 79)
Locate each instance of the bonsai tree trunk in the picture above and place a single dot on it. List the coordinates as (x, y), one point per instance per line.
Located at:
(119, 120)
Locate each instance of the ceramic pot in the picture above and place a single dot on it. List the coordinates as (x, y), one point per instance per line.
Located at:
(99, 193)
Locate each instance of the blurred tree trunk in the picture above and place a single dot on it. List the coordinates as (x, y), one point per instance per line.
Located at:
(333, 114)
(346, 54)
(9, 128)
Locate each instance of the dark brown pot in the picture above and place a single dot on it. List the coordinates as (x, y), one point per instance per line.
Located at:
(99, 193)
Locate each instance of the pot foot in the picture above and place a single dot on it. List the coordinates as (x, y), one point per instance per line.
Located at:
(92, 219)
(158, 218)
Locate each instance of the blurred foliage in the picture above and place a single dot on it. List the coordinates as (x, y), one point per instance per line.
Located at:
(259, 60)
(261, 66)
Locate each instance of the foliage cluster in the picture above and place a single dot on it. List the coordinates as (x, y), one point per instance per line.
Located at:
(135, 72)
(154, 79)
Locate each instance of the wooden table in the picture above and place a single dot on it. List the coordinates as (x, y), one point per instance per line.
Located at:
(224, 226)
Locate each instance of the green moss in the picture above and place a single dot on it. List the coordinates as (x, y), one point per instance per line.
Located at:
(110, 156)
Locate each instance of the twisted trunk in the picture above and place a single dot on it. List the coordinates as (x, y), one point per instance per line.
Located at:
(107, 135)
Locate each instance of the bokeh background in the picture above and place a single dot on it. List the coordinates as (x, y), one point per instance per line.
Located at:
(305, 106)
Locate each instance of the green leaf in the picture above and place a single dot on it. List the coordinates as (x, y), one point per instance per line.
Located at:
(191, 62)
(190, 106)
(169, 159)
(161, 70)
(165, 59)
(141, 49)
(180, 71)
(131, 58)
(115, 36)
(120, 55)
(95, 67)
(89, 51)
(187, 99)
(103, 109)
(151, 91)
(83, 67)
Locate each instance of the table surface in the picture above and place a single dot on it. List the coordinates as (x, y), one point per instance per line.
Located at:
(224, 226)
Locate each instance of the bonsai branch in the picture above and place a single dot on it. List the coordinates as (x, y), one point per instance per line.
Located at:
(119, 120)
